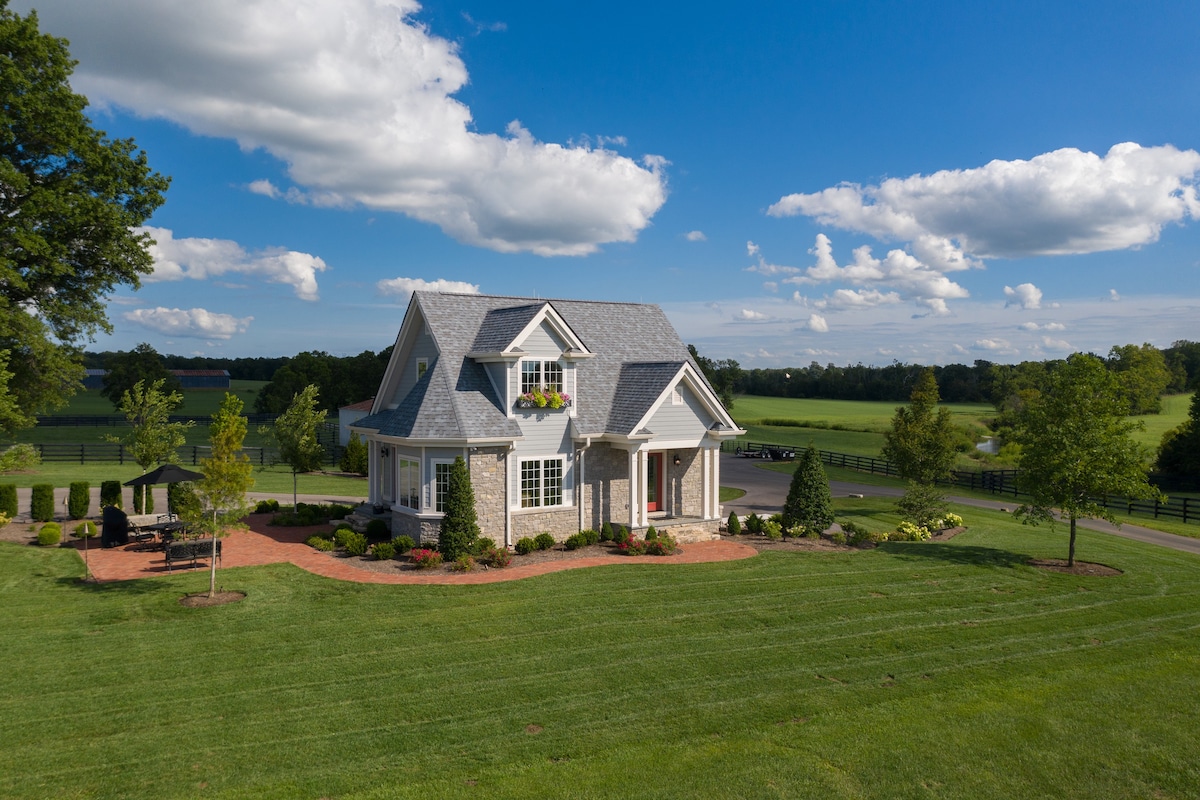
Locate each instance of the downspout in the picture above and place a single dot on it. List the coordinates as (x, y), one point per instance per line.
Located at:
(579, 479)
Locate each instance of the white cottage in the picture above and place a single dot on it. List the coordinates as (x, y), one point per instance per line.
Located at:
(568, 413)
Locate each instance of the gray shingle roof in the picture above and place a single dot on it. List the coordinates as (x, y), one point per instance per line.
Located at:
(636, 353)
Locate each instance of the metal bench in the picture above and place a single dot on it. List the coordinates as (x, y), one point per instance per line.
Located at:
(190, 551)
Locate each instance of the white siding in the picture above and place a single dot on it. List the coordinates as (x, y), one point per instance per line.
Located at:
(543, 343)
(689, 421)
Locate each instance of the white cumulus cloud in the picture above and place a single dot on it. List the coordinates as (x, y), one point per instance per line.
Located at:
(196, 323)
(357, 97)
(817, 323)
(695, 236)
(1065, 201)
(749, 315)
(203, 259)
(404, 287)
(1026, 295)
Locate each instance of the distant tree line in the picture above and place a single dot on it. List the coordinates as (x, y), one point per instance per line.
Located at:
(340, 380)
(1144, 374)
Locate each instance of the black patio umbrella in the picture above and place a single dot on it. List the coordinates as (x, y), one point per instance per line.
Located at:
(167, 473)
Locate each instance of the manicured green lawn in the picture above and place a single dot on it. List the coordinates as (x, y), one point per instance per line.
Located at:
(947, 670)
(195, 401)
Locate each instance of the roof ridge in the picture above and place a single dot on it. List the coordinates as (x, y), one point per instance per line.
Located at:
(533, 300)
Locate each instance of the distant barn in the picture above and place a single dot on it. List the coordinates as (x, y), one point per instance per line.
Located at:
(188, 378)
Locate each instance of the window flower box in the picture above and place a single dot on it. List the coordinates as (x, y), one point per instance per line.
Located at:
(543, 399)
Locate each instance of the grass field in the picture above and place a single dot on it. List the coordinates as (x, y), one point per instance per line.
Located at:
(860, 425)
(947, 670)
(274, 480)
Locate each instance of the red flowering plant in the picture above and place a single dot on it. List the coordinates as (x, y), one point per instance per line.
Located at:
(425, 558)
(664, 545)
(633, 546)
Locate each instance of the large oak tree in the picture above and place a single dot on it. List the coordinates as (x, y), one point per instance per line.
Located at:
(71, 201)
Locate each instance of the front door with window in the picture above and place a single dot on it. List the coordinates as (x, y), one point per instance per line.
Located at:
(654, 482)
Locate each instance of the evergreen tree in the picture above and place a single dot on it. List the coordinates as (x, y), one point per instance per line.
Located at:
(809, 502)
(354, 457)
(460, 525)
(920, 443)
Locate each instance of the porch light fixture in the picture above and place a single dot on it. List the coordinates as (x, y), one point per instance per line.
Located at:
(676, 459)
(384, 452)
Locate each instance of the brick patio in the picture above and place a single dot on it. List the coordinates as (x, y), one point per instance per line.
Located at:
(263, 544)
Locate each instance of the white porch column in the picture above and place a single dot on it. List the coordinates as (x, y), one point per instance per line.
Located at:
(508, 496)
(643, 489)
(716, 483)
(634, 493)
(705, 490)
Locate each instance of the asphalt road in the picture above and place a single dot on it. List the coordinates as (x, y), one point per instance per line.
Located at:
(767, 490)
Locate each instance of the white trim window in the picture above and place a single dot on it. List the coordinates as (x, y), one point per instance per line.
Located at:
(544, 375)
(408, 483)
(441, 484)
(541, 482)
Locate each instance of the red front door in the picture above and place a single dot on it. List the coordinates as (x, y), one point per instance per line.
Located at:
(654, 482)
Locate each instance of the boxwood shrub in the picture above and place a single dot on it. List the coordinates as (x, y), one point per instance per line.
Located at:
(8, 500)
(404, 544)
(110, 493)
(525, 546)
(50, 534)
(85, 529)
(383, 551)
(575, 541)
(79, 500)
(544, 541)
(41, 504)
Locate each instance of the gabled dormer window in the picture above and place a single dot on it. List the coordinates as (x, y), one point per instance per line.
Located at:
(544, 375)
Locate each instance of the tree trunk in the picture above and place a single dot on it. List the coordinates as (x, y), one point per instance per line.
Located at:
(1071, 550)
(212, 560)
(295, 479)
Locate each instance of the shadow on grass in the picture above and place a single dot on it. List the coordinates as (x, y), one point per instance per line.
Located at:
(126, 587)
(955, 554)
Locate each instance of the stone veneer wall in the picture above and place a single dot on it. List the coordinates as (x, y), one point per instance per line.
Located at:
(560, 524)
(488, 471)
(422, 531)
(606, 486)
(684, 487)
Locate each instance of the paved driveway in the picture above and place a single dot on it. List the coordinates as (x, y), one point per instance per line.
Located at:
(767, 490)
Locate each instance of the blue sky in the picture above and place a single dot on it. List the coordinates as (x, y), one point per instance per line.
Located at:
(792, 182)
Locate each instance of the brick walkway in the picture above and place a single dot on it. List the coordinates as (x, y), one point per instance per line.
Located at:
(263, 544)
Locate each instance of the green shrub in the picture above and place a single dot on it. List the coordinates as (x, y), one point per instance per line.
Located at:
(379, 529)
(85, 530)
(305, 514)
(590, 536)
(50, 534)
(425, 558)
(544, 541)
(320, 543)
(734, 525)
(812, 533)
(404, 544)
(525, 546)
(632, 546)
(651, 534)
(182, 499)
(606, 532)
(575, 541)
(460, 523)
(664, 545)
(79, 500)
(355, 544)
(837, 537)
(41, 504)
(383, 551)
(19, 458)
(910, 532)
(266, 507)
(497, 557)
(754, 524)
(8, 500)
(464, 563)
(772, 529)
(622, 536)
(354, 457)
(110, 493)
(138, 500)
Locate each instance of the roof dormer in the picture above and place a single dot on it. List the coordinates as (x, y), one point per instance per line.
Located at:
(505, 330)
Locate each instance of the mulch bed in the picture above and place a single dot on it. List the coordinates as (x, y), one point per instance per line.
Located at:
(557, 553)
(204, 601)
(1081, 567)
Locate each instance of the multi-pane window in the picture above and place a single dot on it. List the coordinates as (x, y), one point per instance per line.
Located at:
(408, 482)
(541, 482)
(422, 367)
(546, 375)
(441, 485)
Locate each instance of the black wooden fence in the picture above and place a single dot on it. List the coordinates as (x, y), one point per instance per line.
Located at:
(994, 481)
(119, 421)
(188, 454)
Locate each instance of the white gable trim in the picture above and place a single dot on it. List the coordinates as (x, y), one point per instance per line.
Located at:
(696, 383)
(400, 354)
(548, 315)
